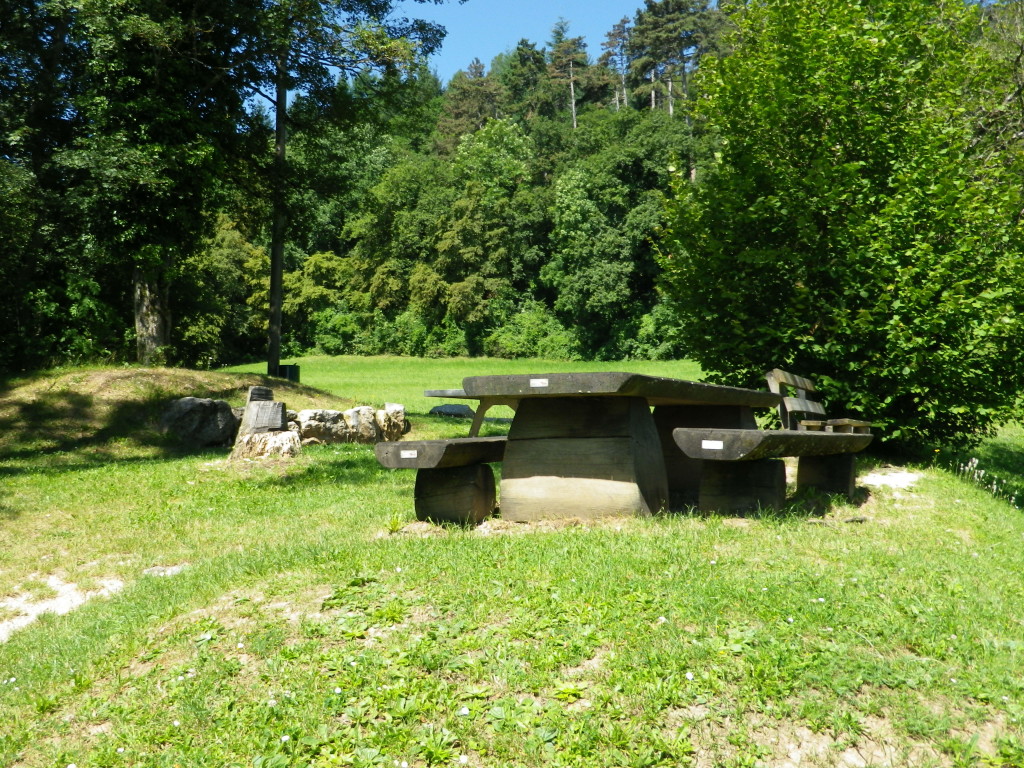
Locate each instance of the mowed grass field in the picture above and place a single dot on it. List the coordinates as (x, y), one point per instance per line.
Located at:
(293, 613)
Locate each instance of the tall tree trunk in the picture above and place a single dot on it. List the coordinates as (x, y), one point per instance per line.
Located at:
(279, 219)
(653, 89)
(671, 99)
(152, 315)
(622, 79)
(572, 95)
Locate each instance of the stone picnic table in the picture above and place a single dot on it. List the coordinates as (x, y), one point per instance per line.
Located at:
(591, 445)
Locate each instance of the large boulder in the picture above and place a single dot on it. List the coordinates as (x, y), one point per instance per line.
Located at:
(200, 422)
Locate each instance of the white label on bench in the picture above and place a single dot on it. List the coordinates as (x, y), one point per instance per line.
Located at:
(538, 382)
(408, 454)
(712, 445)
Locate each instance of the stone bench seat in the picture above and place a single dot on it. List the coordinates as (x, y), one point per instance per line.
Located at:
(753, 444)
(741, 468)
(439, 454)
(453, 480)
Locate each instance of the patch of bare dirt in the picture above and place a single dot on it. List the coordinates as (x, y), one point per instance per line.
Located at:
(67, 596)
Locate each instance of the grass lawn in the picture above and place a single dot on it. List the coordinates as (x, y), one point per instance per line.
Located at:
(295, 614)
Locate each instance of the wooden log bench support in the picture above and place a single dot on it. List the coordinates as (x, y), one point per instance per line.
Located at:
(453, 480)
(742, 468)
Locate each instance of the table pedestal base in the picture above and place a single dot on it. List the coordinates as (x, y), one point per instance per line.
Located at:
(582, 457)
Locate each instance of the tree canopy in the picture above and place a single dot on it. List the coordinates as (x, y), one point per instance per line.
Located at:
(856, 222)
(844, 198)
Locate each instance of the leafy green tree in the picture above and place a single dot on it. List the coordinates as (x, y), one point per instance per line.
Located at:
(473, 97)
(616, 58)
(524, 73)
(666, 43)
(567, 58)
(857, 226)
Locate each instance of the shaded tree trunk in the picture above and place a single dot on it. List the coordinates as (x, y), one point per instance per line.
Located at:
(279, 219)
(152, 316)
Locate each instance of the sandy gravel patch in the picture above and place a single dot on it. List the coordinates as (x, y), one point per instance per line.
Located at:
(68, 597)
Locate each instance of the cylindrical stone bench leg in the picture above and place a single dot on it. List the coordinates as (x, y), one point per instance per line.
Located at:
(828, 474)
(740, 486)
(463, 495)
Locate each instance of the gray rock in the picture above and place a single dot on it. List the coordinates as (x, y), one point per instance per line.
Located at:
(362, 423)
(456, 410)
(261, 445)
(200, 422)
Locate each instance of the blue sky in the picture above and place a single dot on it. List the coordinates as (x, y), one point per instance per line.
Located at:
(485, 28)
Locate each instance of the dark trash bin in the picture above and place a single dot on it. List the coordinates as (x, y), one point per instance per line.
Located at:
(288, 372)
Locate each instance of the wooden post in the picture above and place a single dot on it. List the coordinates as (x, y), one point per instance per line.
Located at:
(828, 474)
(684, 473)
(741, 486)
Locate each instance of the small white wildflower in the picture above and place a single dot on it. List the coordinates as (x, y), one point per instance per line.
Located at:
(180, 678)
(464, 711)
(821, 599)
(176, 723)
(662, 619)
(713, 562)
(285, 737)
(337, 690)
(689, 675)
(398, 570)
(790, 619)
(764, 589)
(120, 750)
(351, 663)
(272, 703)
(952, 680)
(463, 759)
(72, 765)
(240, 645)
(404, 764)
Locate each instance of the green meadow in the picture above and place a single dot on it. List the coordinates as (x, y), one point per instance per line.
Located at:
(294, 613)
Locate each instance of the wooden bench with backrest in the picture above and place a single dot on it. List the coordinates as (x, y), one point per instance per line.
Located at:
(453, 480)
(742, 468)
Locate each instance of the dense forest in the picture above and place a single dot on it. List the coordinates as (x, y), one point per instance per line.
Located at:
(828, 185)
(508, 212)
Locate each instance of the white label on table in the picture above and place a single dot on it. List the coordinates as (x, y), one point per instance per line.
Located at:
(712, 445)
(408, 454)
(538, 382)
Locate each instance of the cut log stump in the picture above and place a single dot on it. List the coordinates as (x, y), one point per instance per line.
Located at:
(464, 495)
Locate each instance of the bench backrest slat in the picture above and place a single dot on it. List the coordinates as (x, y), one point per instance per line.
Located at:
(778, 377)
(803, 405)
(795, 401)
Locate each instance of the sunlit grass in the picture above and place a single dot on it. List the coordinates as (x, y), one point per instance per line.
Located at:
(313, 623)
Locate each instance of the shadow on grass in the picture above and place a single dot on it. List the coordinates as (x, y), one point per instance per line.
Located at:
(355, 465)
(55, 423)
